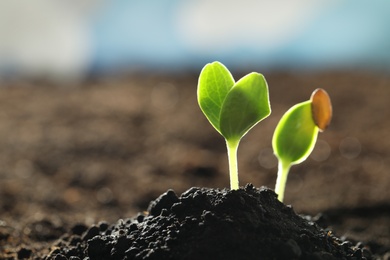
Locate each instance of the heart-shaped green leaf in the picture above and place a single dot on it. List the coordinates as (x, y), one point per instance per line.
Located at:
(215, 81)
(232, 108)
(246, 104)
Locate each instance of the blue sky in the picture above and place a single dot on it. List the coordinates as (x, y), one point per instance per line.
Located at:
(72, 37)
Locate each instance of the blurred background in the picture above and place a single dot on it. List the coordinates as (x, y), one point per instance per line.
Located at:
(72, 39)
(98, 109)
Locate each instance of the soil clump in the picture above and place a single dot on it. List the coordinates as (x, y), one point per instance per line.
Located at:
(205, 223)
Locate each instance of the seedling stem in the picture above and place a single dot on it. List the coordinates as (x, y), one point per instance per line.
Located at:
(281, 180)
(232, 147)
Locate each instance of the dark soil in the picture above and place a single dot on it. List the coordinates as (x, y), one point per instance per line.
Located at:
(76, 159)
(210, 224)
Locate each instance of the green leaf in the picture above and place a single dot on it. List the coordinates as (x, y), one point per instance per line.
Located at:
(295, 135)
(246, 104)
(215, 81)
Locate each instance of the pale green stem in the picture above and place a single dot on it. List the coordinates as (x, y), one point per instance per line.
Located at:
(232, 146)
(281, 180)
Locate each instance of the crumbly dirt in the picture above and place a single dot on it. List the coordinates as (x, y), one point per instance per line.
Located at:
(78, 155)
(210, 224)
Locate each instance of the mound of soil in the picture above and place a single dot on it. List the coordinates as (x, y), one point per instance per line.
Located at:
(205, 223)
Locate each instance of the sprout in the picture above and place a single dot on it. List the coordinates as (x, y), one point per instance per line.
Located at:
(296, 134)
(232, 108)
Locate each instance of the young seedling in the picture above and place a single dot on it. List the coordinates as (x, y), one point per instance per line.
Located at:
(232, 108)
(296, 134)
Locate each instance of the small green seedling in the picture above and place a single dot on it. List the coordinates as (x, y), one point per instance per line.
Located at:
(296, 134)
(232, 108)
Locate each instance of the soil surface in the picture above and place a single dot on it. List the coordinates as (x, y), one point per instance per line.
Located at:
(210, 224)
(96, 154)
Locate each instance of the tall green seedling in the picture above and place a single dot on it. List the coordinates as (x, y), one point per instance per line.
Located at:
(232, 108)
(296, 134)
